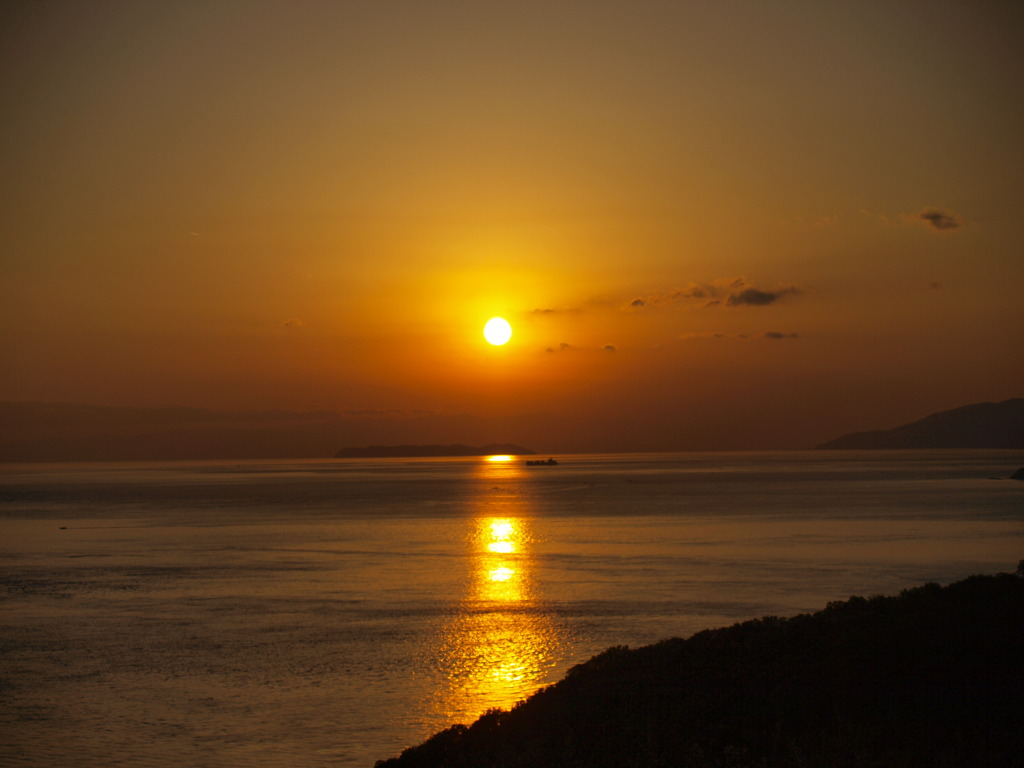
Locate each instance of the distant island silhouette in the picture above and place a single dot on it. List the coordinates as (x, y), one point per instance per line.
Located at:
(982, 425)
(419, 451)
(932, 677)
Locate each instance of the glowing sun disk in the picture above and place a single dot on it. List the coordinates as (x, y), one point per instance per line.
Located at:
(497, 331)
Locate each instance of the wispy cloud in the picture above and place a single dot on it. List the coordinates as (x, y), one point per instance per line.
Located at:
(728, 292)
(755, 297)
(704, 335)
(751, 296)
(935, 219)
(712, 335)
(563, 347)
(940, 220)
(548, 311)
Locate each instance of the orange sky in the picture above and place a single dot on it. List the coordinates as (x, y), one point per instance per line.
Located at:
(760, 223)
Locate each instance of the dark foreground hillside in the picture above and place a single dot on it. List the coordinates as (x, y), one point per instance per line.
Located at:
(933, 677)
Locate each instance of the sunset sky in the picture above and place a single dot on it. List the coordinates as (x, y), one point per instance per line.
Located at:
(710, 224)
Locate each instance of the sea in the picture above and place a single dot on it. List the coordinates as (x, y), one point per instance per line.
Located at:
(227, 614)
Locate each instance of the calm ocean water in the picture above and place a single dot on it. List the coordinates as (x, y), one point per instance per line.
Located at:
(330, 613)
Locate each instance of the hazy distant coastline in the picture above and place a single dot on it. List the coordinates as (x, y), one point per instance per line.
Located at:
(56, 432)
(48, 432)
(982, 425)
(421, 451)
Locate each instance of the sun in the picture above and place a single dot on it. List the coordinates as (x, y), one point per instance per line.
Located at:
(497, 331)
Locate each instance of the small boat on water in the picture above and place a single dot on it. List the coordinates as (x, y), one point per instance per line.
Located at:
(541, 462)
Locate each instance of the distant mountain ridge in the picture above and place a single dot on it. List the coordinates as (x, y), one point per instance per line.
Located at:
(419, 451)
(982, 425)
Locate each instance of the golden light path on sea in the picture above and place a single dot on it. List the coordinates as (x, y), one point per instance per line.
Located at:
(502, 641)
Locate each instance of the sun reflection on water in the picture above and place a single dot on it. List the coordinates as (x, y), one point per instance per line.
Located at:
(502, 643)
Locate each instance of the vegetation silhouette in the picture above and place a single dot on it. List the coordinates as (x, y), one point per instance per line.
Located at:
(932, 677)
